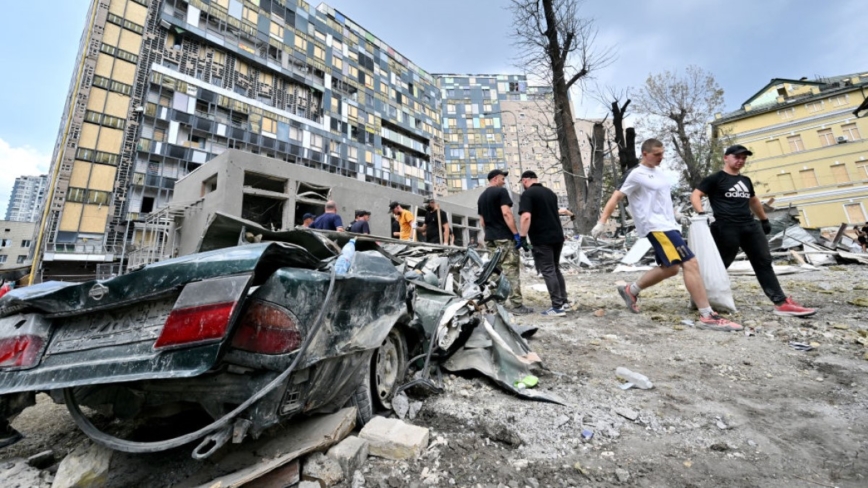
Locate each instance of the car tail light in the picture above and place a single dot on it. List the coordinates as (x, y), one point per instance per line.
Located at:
(195, 324)
(20, 351)
(203, 311)
(268, 329)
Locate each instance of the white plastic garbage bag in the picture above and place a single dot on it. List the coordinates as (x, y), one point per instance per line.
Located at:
(714, 275)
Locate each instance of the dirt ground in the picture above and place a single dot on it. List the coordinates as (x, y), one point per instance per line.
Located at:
(726, 409)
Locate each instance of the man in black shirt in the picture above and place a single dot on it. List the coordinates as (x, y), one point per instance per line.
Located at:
(732, 200)
(436, 226)
(541, 223)
(360, 225)
(495, 216)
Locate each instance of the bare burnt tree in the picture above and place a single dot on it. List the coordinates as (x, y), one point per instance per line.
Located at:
(680, 107)
(558, 45)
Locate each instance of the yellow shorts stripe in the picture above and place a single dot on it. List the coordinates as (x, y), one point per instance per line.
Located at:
(667, 246)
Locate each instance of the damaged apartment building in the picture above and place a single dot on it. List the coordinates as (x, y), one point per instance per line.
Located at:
(162, 87)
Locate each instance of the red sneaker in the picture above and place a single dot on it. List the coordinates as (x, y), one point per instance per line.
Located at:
(716, 322)
(629, 299)
(792, 309)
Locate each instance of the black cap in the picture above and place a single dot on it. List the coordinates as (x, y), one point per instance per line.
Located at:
(496, 172)
(427, 201)
(308, 216)
(529, 174)
(392, 206)
(737, 149)
(362, 213)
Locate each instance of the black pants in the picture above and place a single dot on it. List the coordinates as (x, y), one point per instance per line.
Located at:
(750, 238)
(547, 258)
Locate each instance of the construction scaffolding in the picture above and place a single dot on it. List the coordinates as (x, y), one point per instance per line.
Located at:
(155, 239)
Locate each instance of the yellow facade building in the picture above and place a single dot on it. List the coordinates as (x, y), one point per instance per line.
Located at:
(810, 151)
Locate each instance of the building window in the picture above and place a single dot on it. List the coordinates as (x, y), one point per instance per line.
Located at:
(25, 243)
(785, 181)
(3, 258)
(809, 178)
(787, 113)
(21, 259)
(796, 144)
(814, 107)
(839, 171)
(855, 213)
(851, 132)
(839, 100)
(826, 137)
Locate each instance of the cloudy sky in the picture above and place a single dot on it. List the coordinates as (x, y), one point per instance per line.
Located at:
(743, 43)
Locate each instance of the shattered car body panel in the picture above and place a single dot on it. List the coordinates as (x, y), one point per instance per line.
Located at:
(215, 328)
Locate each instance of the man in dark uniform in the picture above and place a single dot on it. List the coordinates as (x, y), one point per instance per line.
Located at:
(495, 216)
(541, 224)
(330, 220)
(436, 227)
(732, 200)
(360, 225)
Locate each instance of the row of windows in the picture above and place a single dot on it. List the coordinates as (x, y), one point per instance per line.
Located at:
(103, 119)
(112, 85)
(815, 106)
(20, 259)
(838, 174)
(94, 197)
(126, 24)
(101, 157)
(119, 53)
(826, 137)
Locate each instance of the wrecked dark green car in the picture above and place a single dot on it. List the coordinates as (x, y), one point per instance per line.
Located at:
(251, 335)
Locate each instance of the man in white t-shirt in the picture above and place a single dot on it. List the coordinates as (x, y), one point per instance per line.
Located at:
(651, 202)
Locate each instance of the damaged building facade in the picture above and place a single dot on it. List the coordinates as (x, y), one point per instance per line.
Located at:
(275, 197)
(809, 147)
(160, 87)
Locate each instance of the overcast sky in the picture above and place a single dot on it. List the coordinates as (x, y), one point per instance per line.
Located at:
(743, 43)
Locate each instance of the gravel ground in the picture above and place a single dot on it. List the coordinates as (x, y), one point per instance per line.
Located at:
(725, 410)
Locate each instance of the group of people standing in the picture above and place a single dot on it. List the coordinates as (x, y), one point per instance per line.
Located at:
(733, 202)
(435, 230)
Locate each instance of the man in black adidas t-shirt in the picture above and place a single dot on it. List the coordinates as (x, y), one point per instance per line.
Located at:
(734, 204)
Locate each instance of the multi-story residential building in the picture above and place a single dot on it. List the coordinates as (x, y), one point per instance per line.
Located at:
(15, 243)
(162, 86)
(809, 147)
(28, 195)
(500, 121)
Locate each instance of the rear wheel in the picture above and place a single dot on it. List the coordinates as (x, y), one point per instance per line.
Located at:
(387, 368)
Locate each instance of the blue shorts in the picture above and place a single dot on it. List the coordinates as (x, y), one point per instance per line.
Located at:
(669, 248)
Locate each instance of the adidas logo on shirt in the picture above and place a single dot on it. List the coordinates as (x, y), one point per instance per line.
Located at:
(739, 190)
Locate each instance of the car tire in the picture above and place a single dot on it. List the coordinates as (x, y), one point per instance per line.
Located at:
(363, 401)
(388, 365)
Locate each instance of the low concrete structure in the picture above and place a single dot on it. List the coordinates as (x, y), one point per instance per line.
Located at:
(275, 194)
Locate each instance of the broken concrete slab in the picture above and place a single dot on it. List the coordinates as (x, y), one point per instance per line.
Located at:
(351, 454)
(323, 469)
(393, 439)
(86, 466)
(266, 455)
(627, 413)
(286, 475)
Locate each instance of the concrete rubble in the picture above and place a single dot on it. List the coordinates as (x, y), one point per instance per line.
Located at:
(322, 468)
(85, 467)
(393, 439)
(350, 454)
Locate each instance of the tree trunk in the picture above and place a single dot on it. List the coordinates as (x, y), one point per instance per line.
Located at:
(632, 159)
(568, 140)
(598, 161)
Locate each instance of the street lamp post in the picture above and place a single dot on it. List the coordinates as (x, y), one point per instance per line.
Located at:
(517, 139)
